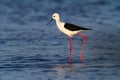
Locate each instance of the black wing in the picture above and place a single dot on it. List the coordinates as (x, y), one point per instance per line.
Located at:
(73, 27)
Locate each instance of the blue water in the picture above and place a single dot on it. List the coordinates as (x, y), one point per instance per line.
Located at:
(31, 50)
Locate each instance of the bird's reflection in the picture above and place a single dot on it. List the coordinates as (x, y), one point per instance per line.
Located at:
(63, 69)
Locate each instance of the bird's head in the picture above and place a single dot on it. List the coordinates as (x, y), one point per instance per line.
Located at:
(55, 16)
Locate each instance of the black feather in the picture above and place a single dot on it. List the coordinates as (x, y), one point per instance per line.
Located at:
(73, 27)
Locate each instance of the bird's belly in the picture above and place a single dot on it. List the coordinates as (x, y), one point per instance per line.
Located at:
(68, 32)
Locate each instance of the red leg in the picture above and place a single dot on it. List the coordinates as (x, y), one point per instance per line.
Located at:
(84, 41)
(70, 56)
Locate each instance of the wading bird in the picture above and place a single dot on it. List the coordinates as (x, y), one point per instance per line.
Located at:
(70, 30)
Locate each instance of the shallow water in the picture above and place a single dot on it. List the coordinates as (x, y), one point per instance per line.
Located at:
(30, 50)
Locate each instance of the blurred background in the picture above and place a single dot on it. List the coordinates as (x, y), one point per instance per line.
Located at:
(31, 50)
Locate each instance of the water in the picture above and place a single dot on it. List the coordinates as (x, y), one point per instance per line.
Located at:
(30, 50)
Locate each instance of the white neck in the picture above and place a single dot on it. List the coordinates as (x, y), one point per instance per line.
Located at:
(58, 22)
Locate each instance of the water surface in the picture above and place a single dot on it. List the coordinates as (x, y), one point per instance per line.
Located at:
(30, 50)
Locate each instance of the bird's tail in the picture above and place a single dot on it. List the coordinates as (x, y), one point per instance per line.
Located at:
(89, 29)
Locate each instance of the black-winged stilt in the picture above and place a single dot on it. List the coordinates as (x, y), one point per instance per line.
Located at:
(70, 30)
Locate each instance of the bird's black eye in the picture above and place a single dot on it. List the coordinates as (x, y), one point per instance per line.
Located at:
(53, 16)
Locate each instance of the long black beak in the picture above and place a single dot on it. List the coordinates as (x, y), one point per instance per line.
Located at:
(50, 21)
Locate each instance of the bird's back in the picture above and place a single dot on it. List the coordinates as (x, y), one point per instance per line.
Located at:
(73, 27)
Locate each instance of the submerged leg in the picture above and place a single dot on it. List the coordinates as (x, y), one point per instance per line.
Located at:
(70, 56)
(82, 48)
